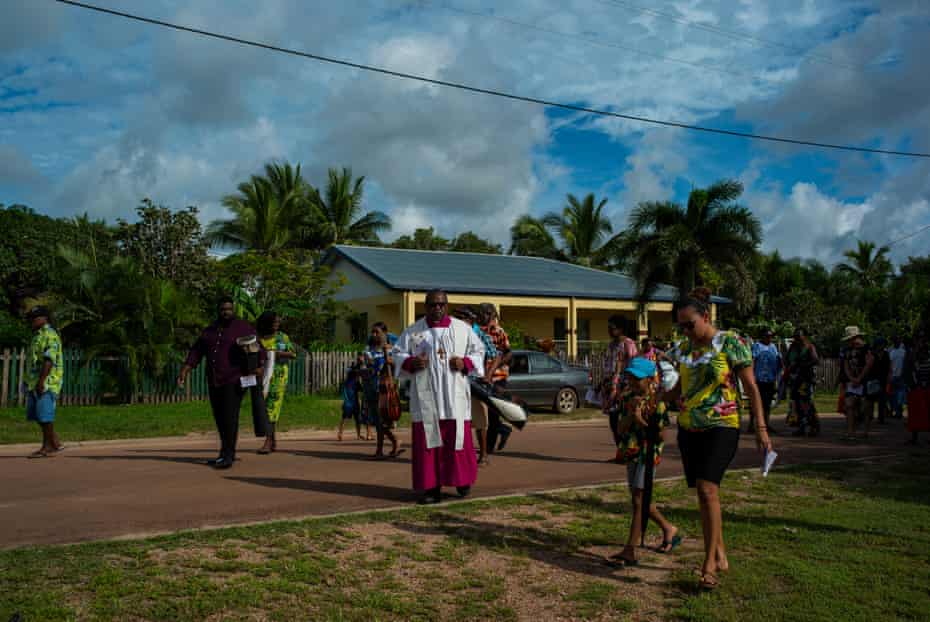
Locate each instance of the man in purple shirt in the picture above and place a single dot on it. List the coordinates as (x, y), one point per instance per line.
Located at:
(227, 375)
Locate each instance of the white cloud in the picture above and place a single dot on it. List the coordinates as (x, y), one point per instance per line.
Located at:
(183, 119)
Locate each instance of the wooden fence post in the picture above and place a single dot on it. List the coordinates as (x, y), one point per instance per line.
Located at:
(306, 373)
(5, 390)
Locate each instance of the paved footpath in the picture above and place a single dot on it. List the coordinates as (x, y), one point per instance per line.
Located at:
(113, 489)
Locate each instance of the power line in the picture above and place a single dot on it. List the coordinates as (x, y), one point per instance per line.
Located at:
(484, 91)
(908, 236)
(730, 33)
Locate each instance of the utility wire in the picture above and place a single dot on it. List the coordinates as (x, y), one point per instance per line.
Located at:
(484, 91)
(908, 236)
(729, 33)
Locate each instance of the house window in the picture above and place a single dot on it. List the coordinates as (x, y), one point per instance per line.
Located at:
(584, 330)
(360, 328)
(560, 329)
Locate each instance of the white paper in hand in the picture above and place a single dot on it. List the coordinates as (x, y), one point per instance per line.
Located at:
(768, 461)
(248, 381)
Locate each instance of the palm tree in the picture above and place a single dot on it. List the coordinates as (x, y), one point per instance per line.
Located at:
(669, 243)
(268, 211)
(529, 236)
(582, 228)
(336, 216)
(867, 269)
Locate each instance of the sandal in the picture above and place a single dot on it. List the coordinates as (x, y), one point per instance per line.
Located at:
(620, 561)
(709, 581)
(396, 452)
(668, 546)
(41, 453)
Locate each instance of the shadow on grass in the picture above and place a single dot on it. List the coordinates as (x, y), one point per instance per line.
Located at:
(349, 489)
(554, 549)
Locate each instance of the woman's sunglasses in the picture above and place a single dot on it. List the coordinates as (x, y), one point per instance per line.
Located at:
(686, 325)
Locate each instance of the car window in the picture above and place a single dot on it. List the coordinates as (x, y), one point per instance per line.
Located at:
(543, 364)
(519, 365)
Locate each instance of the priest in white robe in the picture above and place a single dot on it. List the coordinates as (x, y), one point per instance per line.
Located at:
(437, 353)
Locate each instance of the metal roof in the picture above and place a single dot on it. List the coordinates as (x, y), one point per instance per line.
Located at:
(478, 273)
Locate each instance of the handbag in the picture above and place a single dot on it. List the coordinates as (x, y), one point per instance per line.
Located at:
(388, 396)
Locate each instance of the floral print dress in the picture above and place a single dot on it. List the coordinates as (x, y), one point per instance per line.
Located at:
(279, 342)
(634, 444)
(710, 395)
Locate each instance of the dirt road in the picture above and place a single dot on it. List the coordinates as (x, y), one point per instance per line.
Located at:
(112, 489)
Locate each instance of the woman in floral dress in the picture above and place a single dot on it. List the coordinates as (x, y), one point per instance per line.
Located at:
(273, 340)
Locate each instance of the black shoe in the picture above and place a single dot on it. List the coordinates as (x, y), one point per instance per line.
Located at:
(505, 435)
(214, 461)
(223, 463)
(430, 498)
(463, 491)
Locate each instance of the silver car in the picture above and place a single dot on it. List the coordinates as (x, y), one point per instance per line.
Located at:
(543, 381)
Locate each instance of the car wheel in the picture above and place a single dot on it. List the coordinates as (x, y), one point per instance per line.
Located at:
(566, 401)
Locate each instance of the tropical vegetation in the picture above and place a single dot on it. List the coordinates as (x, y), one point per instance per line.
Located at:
(141, 288)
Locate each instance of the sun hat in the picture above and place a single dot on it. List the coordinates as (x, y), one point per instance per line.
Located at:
(852, 332)
(641, 368)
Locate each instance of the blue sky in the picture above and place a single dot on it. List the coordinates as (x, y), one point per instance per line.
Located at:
(96, 112)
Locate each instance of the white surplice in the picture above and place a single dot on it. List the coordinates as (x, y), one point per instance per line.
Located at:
(437, 392)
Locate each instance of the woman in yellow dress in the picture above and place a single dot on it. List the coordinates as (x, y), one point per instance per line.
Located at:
(273, 340)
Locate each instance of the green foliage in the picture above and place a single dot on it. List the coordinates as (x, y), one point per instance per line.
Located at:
(668, 243)
(582, 228)
(337, 216)
(298, 290)
(112, 307)
(28, 249)
(267, 211)
(519, 339)
(470, 242)
(167, 245)
(425, 239)
(14, 332)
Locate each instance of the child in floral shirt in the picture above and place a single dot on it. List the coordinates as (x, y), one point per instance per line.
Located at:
(639, 405)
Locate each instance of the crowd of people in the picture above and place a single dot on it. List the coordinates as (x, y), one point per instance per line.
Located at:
(708, 378)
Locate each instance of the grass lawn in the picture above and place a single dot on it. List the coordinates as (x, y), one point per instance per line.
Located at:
(846, 542)
(81, 423)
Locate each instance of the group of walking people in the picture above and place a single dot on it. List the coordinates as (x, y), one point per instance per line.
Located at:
(441, 353)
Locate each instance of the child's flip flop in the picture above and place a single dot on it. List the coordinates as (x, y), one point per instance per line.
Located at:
(668, 546)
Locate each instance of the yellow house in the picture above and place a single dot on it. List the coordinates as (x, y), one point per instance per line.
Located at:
(545, 298)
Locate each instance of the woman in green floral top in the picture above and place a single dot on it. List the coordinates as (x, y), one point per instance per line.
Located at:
(639, 405)
(273, 340)
(710, 363)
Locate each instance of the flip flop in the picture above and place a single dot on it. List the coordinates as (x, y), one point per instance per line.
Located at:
(709, 582)
(619, 561)
(40, 453)
(673, 544)
(399, 451)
